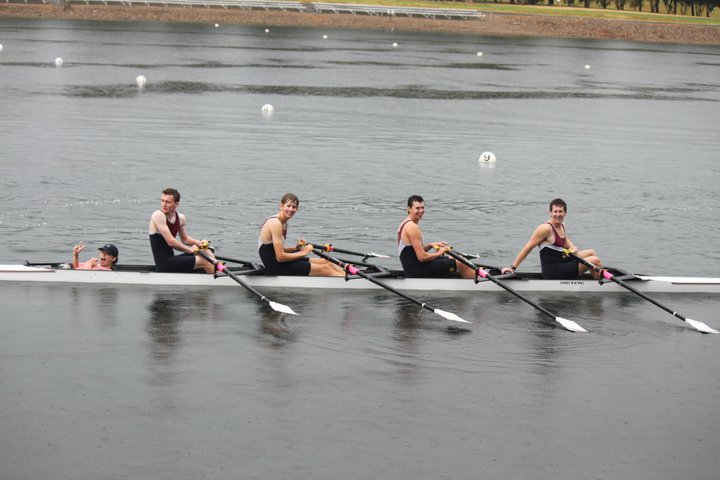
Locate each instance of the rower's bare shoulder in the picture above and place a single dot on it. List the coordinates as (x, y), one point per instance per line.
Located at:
(157, 216)
(542, 231)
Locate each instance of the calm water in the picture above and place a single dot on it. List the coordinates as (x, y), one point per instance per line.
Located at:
(101, 382)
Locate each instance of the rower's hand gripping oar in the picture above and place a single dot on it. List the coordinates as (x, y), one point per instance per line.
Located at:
(479, 271)
(278, 307)
(355, 271)
(699, 326)
(327, 247)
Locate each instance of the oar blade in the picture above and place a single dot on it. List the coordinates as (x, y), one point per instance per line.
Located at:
(449, 316)
(700, 326)
(570, 325)
(279, 307)
(377, 255)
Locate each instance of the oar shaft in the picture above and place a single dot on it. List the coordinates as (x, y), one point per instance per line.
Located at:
(481, 272)
(609, 276)
(234, 260)
(230, 274)
(327, 247)
(355, 271)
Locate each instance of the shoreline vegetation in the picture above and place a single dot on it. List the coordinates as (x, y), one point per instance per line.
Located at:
(566, 23)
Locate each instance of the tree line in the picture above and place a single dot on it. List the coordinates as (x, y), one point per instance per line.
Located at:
(696, 8)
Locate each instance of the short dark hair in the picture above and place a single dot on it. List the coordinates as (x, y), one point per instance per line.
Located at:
(413, 199)
(558, 202)
(290, 197)
(173, 192)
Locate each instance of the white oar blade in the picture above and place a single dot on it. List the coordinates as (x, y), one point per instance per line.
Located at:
(449, 315)
(279, 307)
(377, 255)
(700, 326)
(570, 325)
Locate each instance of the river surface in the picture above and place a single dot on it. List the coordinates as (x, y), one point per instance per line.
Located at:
(170, 383)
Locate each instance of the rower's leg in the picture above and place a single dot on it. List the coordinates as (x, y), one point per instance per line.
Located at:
(323, 268)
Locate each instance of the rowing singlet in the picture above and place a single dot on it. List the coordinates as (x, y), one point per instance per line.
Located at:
(559, 241)
(413, 267)
(299, 267)
(164, 255)
(555, 265)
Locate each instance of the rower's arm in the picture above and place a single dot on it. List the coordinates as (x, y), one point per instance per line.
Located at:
(414, 237)
(187, 239)
(570, 245)
(283, 254)
(539, 235)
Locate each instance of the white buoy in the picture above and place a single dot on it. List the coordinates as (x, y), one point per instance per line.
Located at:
(325, 37)
(267, 108)
(587, 67)
(141, 81)
(395, 44)
(217, 25)
(1, 47)
(486, 157)
(267, 30)
(479, 54)
(58, 62)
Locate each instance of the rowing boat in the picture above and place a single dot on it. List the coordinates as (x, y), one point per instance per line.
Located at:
(254, 276)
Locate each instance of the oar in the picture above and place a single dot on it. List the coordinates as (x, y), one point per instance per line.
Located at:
(354, 271)
(235, 260)
(699, 326)
(327, 247)
(569, 324)
(278, 307)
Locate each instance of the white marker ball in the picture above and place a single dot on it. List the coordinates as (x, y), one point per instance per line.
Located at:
(1, 47)
(395, 44)
(325, 37)
(217, 25)
(58, 62)
(479, 54)
(587, 67)
(140, 80)
(267, 108)
(267, 30)
(487, 157)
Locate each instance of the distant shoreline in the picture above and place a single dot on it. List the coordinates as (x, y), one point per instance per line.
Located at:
(495, 24)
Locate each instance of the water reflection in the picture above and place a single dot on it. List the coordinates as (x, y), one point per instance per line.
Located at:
(167, 312)
(405, 92)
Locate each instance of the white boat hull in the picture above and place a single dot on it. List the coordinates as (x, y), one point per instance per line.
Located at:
(22, 273)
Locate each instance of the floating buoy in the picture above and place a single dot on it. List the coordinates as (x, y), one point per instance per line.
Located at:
(486, 157)
(267, 108)
(395, 44)
(1, 47)
(587, 67)
(325, 37)
(267, 30)
(58, 62)
(141, 81)
(479, 54)
(217, 25)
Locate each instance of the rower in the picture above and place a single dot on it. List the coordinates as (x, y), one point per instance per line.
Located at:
(414, 254)
(551, 238)
(165, 225)
(281, 260)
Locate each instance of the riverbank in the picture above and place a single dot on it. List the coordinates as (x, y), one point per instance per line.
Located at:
(494, 24)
